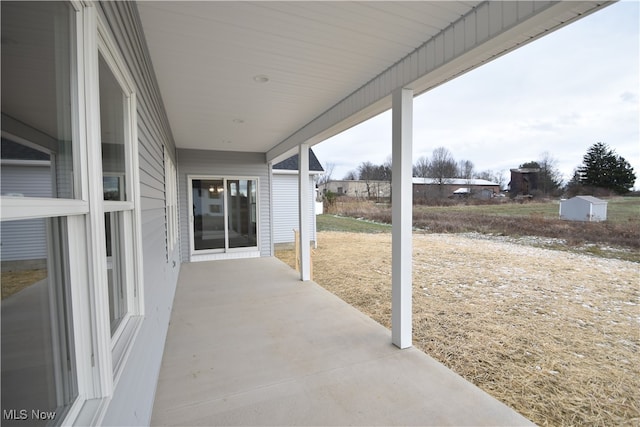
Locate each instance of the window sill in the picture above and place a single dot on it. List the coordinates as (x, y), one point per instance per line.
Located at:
(123, 344)
(91, 413)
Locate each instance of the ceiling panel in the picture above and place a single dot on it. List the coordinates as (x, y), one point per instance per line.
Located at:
(206, 55)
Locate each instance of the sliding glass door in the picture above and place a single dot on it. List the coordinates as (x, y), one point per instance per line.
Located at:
(224, 214)
(208, 214)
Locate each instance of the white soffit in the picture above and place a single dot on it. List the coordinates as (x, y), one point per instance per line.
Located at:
(330, 65)
(206, 55)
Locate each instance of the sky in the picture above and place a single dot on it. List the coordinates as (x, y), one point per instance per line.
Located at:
(559, 94)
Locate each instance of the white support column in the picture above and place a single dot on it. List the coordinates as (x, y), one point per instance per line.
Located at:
(401, 217)
(304, 212)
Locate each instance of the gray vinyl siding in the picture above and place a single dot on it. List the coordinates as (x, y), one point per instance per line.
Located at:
(28, 180)
(133, 397)
(285, 207)
(223, 164)
(25, 239)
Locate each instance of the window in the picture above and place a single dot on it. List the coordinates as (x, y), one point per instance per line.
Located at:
(171, 202)
(114, 109)
(38, 361)
(71, 247)
(118, 182)
(42, 263)
(36, 98)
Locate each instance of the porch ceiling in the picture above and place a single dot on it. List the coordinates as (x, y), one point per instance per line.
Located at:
(210, 56)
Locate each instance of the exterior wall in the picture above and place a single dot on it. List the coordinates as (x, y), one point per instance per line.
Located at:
(523, 182)
(599, 212)
(133, 397)
(285, 207)
(425, 191)
(358, 188)
(224, 164)
(22, 240)
(577, 209)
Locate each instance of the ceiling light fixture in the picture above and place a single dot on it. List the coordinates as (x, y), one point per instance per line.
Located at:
(260, 78)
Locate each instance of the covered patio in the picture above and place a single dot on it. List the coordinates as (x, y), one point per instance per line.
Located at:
(249, 344)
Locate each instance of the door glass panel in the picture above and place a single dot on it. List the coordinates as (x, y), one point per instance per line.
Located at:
(208, 214)
(38, 366)
(37, 56)
(242, 213)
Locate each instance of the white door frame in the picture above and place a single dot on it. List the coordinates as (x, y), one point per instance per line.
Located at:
(226, 252)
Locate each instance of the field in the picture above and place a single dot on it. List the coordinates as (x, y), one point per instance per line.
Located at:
(535, 223)
(553, 334)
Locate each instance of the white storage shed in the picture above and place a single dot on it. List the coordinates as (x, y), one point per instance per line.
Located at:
(285, 198)
(583, 208)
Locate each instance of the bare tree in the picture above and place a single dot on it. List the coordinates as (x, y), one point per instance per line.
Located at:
(497, 177)
(367, 173)
(421, 167)
(385, 169)
(327, 175)
(443, 167)
(551, 176)
(465, 169)
(351, 176)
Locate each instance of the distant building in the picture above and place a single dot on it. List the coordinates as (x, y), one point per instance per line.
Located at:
(583, 208)
(524, 181)
(423, 188)
(426, 188)
(361, 189)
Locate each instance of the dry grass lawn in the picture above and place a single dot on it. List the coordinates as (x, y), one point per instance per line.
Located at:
(15, 281)
(554, 335)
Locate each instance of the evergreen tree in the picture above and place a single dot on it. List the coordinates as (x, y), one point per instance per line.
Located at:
(603, 168)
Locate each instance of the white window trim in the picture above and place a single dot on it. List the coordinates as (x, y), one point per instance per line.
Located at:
(109, 353)
(171, 203)
(120, 343)
(99, 358)
(16, 208)
(75, 212)
(224, 253)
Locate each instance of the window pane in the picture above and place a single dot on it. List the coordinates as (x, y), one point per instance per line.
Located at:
(115, 268)
(242, 213)
(112, 125)
(38, 367)
(208, 214)
(37, 53)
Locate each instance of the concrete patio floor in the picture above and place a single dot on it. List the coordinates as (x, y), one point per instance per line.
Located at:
(250, 344)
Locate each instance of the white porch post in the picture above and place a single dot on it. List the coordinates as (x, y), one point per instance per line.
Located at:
(304, 212)
(401, 218)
